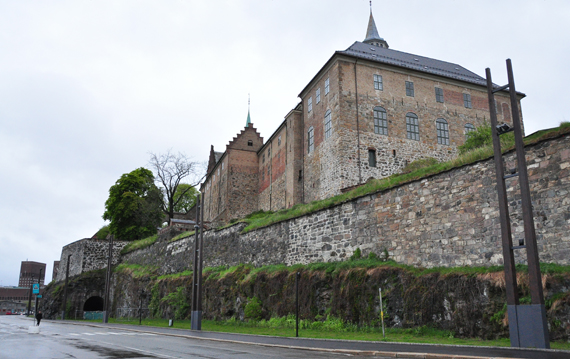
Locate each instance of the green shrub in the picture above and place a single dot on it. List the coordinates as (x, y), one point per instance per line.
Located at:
(178, 301)
(252, 309)
(418, 164)
(103, 232)
(356, 255)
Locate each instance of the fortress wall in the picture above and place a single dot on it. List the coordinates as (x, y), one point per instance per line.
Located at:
(87, 254)
(449, 219)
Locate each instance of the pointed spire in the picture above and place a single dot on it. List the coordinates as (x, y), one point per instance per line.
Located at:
(248, 117)
(372, 36)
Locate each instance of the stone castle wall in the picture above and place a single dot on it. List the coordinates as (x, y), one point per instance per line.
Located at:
(449, 219)
(86, 255)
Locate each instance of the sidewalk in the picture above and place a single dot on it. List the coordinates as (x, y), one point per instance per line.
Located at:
(360, 348)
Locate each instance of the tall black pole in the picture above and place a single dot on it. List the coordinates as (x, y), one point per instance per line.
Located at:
(297, 277)
(195, 323)
(108, 281)
(30, 295)
(39, 285)
(64, 304)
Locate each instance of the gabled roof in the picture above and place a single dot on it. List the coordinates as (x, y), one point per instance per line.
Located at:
(414, 62)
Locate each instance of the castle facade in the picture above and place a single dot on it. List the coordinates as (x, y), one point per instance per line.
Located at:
(367, 113)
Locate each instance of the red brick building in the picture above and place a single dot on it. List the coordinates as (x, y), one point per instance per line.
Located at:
(30, 272)
(367, 113)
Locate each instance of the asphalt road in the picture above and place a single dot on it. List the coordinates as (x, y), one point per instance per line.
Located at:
(60, 340)
(93, 340)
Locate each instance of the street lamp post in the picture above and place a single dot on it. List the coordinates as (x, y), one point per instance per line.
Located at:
(142, 295)
(30, 295)
(39, 285)
(65, 289)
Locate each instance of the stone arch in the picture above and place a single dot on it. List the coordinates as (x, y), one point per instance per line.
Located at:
(93, 304)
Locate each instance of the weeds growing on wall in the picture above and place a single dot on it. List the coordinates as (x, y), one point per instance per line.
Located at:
(139, 244)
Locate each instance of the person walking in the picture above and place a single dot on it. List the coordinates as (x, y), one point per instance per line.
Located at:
(39, 317)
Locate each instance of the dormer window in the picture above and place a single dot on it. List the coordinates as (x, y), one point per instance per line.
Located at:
(250, 143)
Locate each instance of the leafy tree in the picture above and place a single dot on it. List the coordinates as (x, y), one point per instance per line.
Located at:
(170, 170)
(185, 198)
(102, 232)
(134, 206)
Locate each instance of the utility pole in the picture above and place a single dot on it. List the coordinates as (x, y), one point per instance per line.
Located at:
(108, 281)
(39, 285)
(196, 316)
(64, 304)
(30, 295)
(527, 323)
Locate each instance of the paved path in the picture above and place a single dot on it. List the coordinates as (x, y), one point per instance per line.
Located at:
(397, 350)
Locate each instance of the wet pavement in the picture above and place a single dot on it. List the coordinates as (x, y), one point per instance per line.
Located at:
(62, 340)
(94, 340)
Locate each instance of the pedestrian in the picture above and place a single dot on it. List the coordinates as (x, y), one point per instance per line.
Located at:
(39, 317)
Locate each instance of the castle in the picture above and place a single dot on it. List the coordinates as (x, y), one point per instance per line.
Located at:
(367, 113)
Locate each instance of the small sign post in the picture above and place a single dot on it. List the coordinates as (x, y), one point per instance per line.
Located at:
(382, 313)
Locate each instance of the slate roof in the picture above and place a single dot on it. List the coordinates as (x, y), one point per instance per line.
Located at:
(218, 155)
(411, 61)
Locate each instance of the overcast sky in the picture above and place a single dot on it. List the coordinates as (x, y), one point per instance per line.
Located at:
(89, 88)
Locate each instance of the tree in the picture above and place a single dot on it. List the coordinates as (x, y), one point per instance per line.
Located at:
(170, 170)
(185, 198)
(134, 206)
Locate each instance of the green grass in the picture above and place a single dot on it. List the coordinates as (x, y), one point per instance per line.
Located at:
(186, 273)
(141, 243)
(182, 235)
(426, 168)
(420, 335)
(136, 270)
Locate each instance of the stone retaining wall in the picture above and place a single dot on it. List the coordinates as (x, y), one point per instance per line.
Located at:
(449, 219)
(87, 254)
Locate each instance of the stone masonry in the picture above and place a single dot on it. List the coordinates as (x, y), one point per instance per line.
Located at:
(449, 219)
(87, 254)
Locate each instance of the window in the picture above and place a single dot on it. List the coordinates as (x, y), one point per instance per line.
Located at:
(412, 126)
(409, 88)
(327, 88)
(310, 104)
(372, 158)
(222, 166)
(442, 131)
(439, 94)
(269, 153)
(318, 95)
(250, 143)
(469, 128)
(263, 158)
(378, 85)
(467, 100)
(380, 123)
(311, 140)
(328, 124)
(279, 141)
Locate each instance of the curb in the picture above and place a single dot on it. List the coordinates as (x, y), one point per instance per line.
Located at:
(354, 352)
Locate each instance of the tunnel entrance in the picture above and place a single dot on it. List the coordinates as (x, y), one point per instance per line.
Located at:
(93, 304)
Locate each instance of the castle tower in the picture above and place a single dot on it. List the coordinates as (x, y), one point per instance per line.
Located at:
(372, 37)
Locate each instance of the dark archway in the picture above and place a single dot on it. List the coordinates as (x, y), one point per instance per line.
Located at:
(93, 304)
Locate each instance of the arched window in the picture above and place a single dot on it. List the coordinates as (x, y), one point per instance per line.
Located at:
(412, 126)
(380, 122)
(311, 140)
(469, 128)
(328, 124)
(442, 131)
